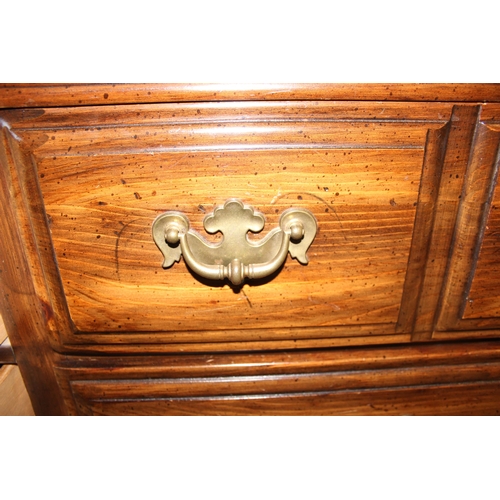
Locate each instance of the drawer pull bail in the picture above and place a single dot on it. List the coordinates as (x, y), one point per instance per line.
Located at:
(235, 257)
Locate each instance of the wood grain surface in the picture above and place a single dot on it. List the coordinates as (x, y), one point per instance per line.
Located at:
(447, 193)
(483, 300)
(23, 298)
(470, 297)
(43, 95)
(402, 180)
(357, 167)
(427, 379)
(474, 399)
(384, 181)
(109, 263)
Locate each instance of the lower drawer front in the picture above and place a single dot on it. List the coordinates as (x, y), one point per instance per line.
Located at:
(435, 379)
(466, 399)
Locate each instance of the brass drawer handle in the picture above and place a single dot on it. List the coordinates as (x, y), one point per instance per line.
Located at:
(235, 257)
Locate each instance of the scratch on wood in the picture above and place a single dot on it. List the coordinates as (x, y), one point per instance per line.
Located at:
(277, 197)
(299, 193)
(313, 300)
(203, 311)
(4, 124)
(179, 160)
(246, 297)
(117, 243)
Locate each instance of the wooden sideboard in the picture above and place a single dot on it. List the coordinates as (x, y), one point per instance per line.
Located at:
(396, 312)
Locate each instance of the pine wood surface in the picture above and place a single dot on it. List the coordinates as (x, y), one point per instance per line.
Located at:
(359, 168)
(42, 95)
(482, 298)
(402, 181)
(23, 287)
(476, 399)
(425, 379)
(108, 261)
(470, 298)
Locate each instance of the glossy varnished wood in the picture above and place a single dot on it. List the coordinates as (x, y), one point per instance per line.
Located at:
(432, 379)
(42, 95)
(470, 297)
(24, 307)
(447, 191)
(102, 238)
(483, 299)
(464, 399)
(357, 166)
(402, 180)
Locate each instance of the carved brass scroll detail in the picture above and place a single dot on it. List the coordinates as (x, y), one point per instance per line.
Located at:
(236, 257)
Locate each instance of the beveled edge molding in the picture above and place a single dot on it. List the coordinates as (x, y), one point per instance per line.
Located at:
(446, 156)
(428, 371)
(47, 95)
(472, 219)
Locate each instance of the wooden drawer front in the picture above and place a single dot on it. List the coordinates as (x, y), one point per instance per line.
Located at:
(374, 174)
(419, 380)
(453, 399)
